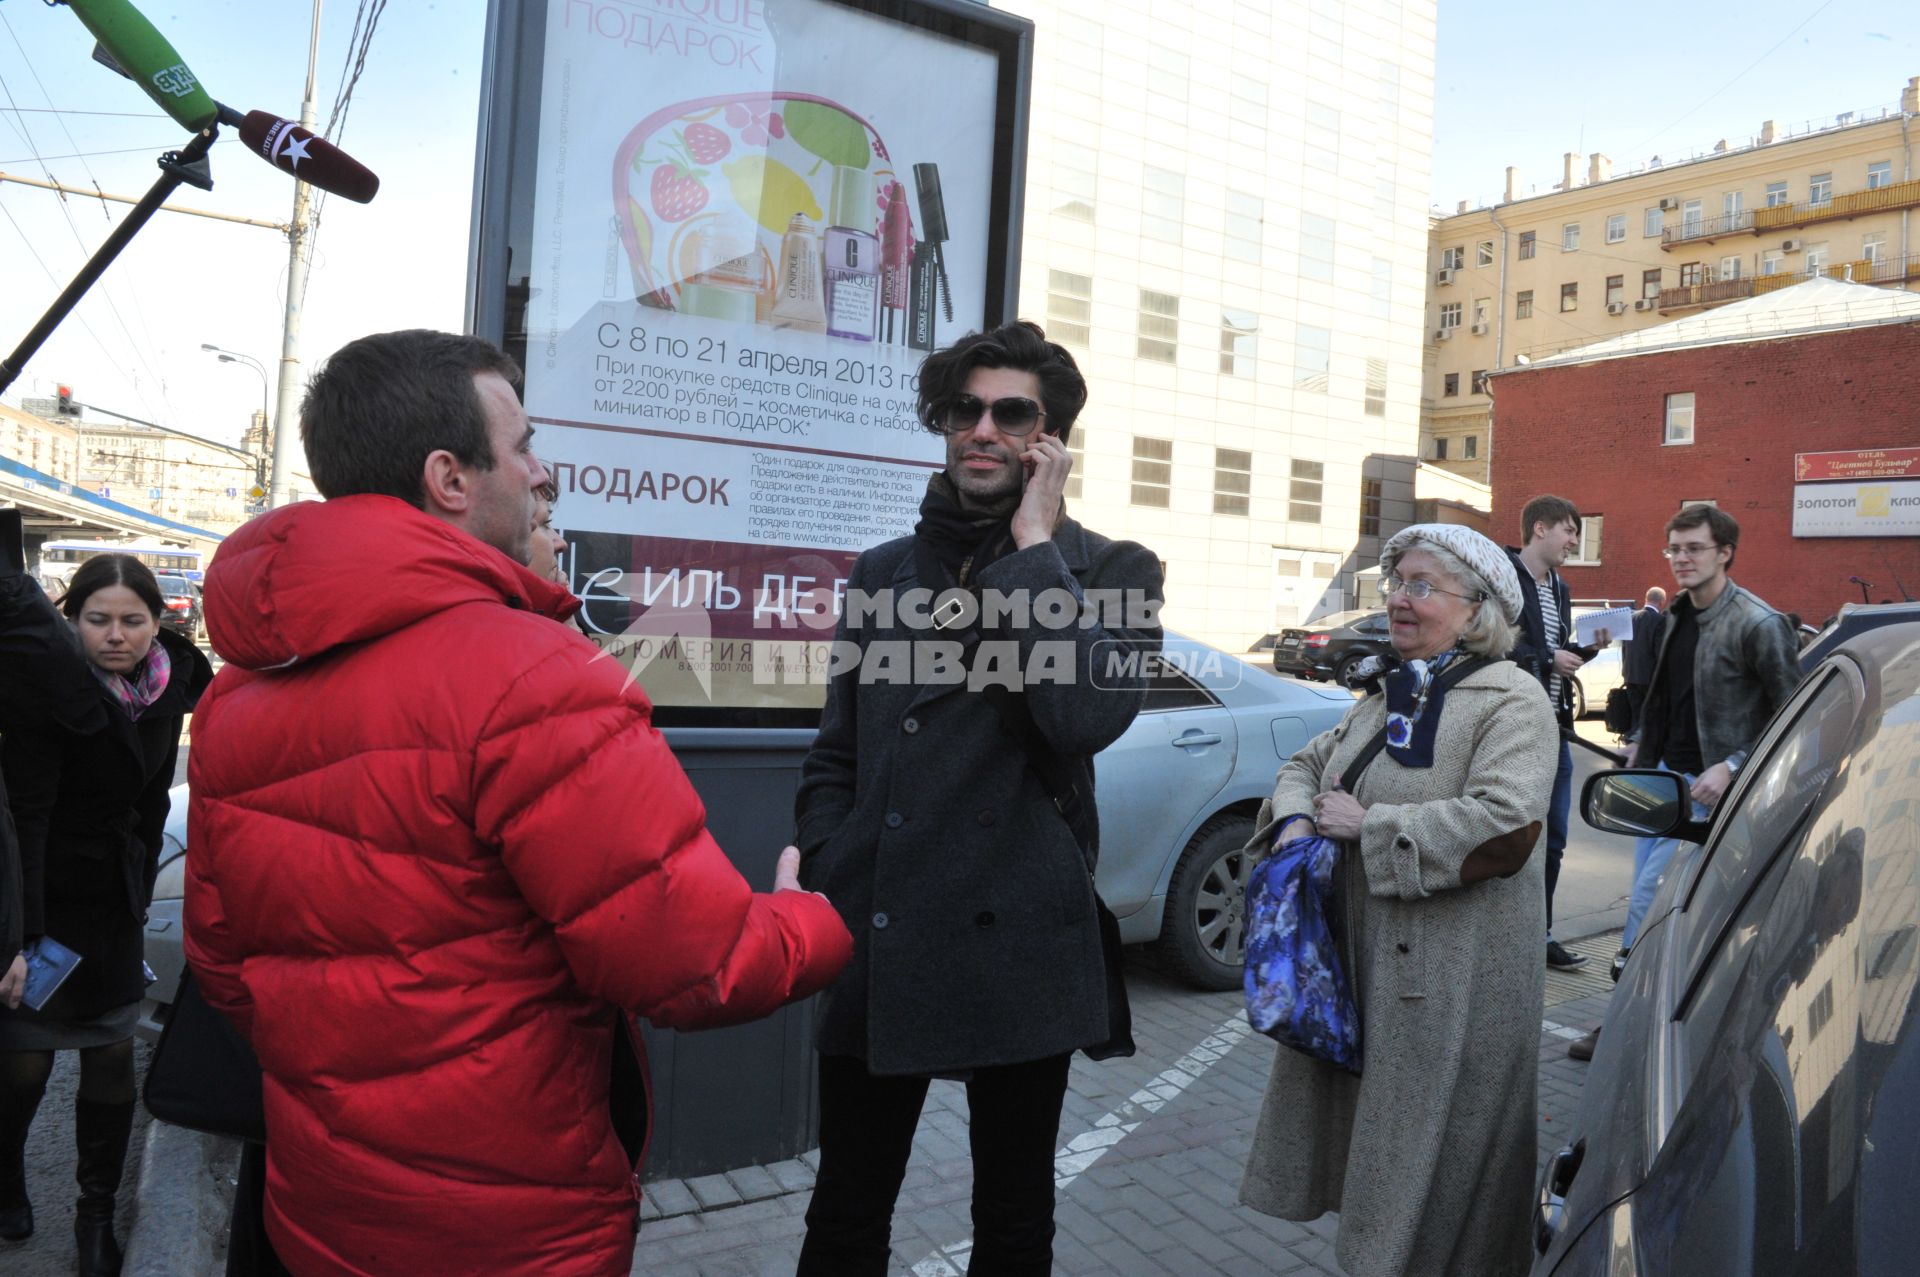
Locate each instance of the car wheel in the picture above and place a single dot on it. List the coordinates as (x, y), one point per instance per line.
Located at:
(1204, 935)
(1579, 700)
(1347, 666)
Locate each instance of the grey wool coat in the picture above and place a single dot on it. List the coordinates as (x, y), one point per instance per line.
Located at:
(1428, 1155)
(976, 940)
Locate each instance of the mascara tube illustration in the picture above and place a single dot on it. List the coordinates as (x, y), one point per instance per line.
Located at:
(933, 228)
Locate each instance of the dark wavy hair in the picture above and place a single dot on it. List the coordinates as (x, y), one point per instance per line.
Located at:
(1022, 345)
(1721, 526)
(381, 404)
(104, 570)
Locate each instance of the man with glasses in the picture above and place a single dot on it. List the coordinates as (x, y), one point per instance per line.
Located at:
(1550, 527)
(950, 816)
(1726, 662)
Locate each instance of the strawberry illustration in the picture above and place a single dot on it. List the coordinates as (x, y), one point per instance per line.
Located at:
(706, 144)
(677, 191)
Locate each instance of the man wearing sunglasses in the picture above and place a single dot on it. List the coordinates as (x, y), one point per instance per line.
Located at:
(953, 822)
(1726, 662)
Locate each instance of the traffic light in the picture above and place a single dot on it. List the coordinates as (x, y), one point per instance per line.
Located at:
(66, 408)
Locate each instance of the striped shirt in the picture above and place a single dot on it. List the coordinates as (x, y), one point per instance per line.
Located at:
(1550, 629)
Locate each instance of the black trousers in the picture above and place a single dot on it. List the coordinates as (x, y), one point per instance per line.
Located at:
(866, 1136)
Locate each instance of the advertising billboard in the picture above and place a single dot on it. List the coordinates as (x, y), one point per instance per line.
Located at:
(1881, 509)
(733, 229)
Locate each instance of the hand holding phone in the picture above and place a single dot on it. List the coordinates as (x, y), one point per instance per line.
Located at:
(13, 543)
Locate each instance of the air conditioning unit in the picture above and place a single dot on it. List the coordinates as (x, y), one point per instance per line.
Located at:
(1616, 308)
(1444, 275)
(1481, 330)
(1646, 303)
(1443, 334)
(1668, 204)
(1792, 246)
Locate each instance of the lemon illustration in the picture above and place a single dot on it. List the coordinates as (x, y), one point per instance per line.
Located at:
(770, 191)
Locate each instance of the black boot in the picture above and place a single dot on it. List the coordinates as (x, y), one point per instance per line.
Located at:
(101, 1132)
(16, 1118)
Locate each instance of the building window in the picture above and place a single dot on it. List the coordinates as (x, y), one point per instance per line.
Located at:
(1316, 247)
(1232, 480)
(1152, 471)
(1873, 248)
(1449, 315)
(1616, 228)
(1523, 304)
(1569, 297)
(1449, 385)
(1772, 261)
(1528, 241)
(1386, 199)
(1730, 205)
(1483, 253)
(1077, 450)
(1653, 222)
(1616, 290)
(1452, 258)
(1376, 404)
(1776, 194)
(1381, 302)
(1069, 307)
(1690, 275)
(1729, 268)
(1650, 284)
(1073, 169)
(1439, 447)
(1246, 218)
(1820, 188)
(1303, 494)
(1162, 204)
(1323, 137)
(1680, 418)
(1569, 237)
(1879, 174)
(1159, 326)
(1238, 329)
(1479, 382)
(1312, 358)
(1588, 551)
(1470, 448)
(1167, 84)
(1247, 107)
(1816, 257)
(1370, 492)
(1480, 305)
(1692, 216)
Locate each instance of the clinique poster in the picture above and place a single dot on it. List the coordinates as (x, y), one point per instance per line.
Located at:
(753, 219)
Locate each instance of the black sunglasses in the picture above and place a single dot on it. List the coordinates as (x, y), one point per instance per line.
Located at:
(1013, 415)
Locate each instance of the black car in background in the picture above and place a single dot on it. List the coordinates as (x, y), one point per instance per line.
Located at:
(1754, 1102)
(1330, 647)
(182, 614)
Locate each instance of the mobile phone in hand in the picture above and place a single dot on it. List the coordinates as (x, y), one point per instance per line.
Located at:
(13, 543)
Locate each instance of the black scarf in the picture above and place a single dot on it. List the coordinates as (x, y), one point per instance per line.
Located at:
(965, 541)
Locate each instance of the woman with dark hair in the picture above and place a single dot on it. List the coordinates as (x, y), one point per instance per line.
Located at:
(89, 810)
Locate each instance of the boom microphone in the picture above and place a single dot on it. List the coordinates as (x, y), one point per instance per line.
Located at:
(143, 55)
(314, 160)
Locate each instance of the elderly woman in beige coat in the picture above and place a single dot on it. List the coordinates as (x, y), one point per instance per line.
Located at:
(1428, 1155)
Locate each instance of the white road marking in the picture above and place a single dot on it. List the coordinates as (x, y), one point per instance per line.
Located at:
(1561, 1031)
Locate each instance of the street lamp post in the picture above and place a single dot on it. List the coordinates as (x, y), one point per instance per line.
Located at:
(234, 357)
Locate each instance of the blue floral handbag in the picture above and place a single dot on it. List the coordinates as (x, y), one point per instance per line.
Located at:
(1297, 993)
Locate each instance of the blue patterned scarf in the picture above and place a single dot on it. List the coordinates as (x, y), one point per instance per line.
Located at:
(143, 689)
(1414, 696)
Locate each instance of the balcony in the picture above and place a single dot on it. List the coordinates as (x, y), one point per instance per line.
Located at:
(1855, 204)
(1706, 230)
(1888, 270)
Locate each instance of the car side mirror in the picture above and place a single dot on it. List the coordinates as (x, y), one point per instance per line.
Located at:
(1643, 803)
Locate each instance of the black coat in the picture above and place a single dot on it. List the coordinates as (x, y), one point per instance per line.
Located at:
(1636, 669)
(1533, 650)
(976, 941)
(89, 811)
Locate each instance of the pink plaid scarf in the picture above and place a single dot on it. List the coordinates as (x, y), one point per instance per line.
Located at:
(143, 689)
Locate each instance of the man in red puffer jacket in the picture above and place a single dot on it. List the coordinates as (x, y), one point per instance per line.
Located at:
(439, 849)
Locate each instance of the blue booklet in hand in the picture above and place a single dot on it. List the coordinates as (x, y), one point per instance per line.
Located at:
(49, 963)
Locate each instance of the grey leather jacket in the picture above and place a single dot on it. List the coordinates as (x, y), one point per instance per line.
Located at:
(1745, 666)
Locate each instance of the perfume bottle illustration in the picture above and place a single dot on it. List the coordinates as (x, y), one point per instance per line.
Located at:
(798, 299)
(852, 258)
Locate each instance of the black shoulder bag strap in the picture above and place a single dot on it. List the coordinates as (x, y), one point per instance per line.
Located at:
(1016, 719)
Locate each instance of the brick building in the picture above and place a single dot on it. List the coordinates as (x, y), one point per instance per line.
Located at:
(1715, 407)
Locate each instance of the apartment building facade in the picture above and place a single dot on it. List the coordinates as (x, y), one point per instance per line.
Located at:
(1602, 255)
(49, 445)
(1225, 222)
(166, 474)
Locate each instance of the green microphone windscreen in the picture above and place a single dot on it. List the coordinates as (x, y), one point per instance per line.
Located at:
(148, 60)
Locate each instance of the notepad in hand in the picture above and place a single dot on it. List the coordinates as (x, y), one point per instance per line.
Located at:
(49, 963)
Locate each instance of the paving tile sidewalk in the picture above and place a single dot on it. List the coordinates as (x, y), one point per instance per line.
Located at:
(1149, 1169)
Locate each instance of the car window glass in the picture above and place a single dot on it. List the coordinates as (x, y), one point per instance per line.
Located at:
(1788, 777)
(1373, 624)
(1168, 688)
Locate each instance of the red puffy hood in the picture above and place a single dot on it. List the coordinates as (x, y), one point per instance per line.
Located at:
(306, 578)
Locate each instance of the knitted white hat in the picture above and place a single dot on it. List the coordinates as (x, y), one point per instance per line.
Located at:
(1485, 559)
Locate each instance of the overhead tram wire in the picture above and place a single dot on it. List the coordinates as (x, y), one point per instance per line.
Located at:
(358, 43)
(63, 110)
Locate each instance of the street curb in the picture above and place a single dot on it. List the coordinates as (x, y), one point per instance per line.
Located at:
(184, 1192)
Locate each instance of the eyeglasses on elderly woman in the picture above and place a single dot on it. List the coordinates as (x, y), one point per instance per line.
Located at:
(1418, 590)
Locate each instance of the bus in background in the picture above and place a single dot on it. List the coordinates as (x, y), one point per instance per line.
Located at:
(59, 560)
